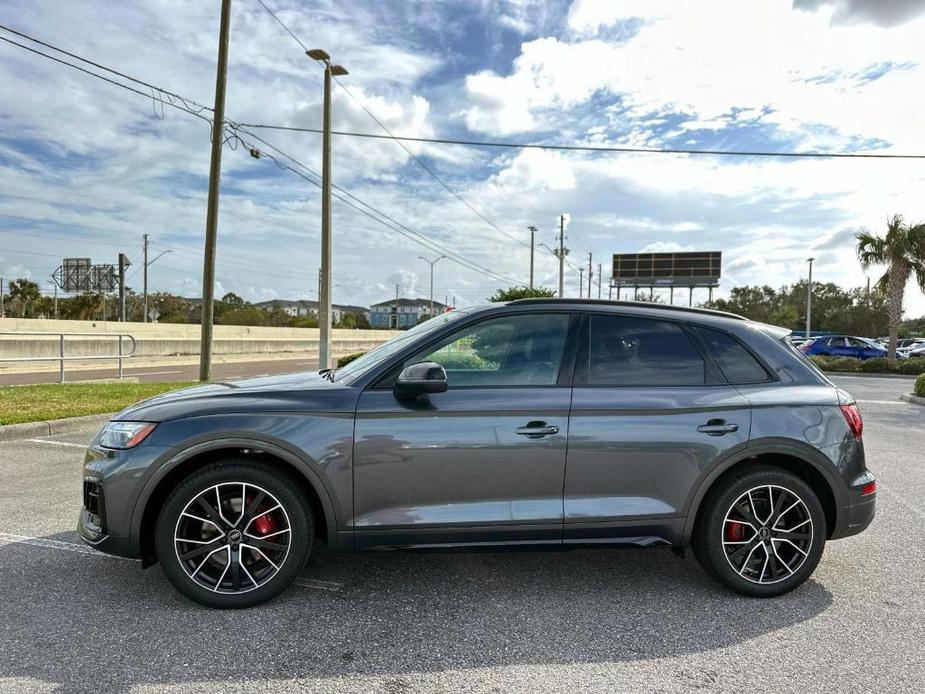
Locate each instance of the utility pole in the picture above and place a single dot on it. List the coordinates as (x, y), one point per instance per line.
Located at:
(324, 297)
(809, 296)
(2, 312)
(599, 280)
(144, 302)
(590, 273)
(432, 263)
(561, 255)
(123, 263)
(532, 233)
(581, 281)
(215, 174)
(147, 263)
(54, 286)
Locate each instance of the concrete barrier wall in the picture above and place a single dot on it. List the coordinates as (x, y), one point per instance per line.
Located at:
(161, 340)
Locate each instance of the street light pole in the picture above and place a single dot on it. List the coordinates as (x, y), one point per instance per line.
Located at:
(532, 233)
(590, 274)
(324, 296)
(215, 174)
(561, 255)
(432, 263)
(809, 297)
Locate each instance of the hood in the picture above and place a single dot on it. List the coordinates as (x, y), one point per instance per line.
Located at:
(299, 392)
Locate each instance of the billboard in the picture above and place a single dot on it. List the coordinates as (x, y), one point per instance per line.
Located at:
(689, 269)
(81, 275)
(75, 275)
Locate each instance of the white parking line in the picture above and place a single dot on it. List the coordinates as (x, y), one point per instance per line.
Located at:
(82, 446)
(331, 586)
(47, 543)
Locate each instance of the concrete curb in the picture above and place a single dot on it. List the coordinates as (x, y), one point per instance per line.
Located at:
(914, 399)
(27, 430)
(865, 374)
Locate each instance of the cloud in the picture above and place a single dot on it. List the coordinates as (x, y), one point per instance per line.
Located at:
(883, 13)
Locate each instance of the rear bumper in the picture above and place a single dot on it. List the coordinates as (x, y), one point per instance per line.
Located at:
(857, 517)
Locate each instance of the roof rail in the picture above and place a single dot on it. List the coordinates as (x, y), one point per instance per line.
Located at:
(634, 304)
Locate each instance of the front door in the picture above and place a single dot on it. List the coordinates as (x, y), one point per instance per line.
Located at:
(481, 463)
(650, 415)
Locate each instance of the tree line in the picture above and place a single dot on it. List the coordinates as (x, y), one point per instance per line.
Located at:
(23, 299)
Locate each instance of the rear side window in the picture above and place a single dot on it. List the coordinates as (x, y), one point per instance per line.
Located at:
(737, 363)
(628, 351)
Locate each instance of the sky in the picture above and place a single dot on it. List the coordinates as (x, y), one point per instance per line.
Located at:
(88, 168)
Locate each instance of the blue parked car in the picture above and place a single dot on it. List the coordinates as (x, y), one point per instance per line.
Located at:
(844, 346)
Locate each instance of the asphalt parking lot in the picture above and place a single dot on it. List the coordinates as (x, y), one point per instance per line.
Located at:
(609, 620)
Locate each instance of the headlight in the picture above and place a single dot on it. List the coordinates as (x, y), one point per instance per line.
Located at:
(125, 434)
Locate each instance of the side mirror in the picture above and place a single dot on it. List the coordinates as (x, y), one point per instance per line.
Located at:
(418, 379)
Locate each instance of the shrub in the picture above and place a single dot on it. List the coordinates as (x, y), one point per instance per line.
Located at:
(846, 364)
(920, 386)
(875, 365)
(915, 365)
(347, 358)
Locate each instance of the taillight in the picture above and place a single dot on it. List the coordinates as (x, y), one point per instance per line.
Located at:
(869, 488)
(853, 417)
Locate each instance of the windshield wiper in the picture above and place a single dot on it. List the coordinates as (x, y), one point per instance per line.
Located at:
(328, 374)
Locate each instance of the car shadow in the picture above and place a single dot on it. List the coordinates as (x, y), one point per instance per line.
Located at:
(79, 622)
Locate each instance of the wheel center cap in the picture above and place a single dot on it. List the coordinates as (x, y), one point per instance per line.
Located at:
(764, 533)
(235, 536)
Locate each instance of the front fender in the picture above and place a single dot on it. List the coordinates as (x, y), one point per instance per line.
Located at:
(318, 447)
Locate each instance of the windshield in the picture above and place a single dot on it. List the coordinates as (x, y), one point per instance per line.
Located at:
(361, 365)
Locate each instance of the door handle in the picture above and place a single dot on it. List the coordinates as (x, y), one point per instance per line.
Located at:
(537, 430)
(717, 427)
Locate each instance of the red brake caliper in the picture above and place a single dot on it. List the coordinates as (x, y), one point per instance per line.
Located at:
(734, 531)
(265, 524)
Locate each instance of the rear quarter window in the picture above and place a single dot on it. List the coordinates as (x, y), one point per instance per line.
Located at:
(736, 362)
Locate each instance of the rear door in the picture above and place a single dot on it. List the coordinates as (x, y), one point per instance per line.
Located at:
(651, 413)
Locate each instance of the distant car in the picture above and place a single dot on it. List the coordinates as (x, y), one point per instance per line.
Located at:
(916, 351)
(844, 346)
(797, 341)
(907, 346)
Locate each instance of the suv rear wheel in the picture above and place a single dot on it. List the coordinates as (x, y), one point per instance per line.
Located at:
(762, 532)
(234, 534)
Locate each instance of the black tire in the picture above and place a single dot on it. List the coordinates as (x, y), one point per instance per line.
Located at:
(770, 561)
(261, 487)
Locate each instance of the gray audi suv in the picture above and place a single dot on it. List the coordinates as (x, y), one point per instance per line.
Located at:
(554, 422)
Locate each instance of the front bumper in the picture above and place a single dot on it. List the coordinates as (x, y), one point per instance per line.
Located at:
(110, 491)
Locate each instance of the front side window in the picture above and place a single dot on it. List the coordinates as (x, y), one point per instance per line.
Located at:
(522, 350)
(627, 351)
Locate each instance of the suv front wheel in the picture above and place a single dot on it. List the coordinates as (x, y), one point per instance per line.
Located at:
(234, 534)
(762, 532)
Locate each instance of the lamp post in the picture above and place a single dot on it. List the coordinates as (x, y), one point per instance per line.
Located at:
(324, 295)
(809, 296)
(432, 263)
(532, 233)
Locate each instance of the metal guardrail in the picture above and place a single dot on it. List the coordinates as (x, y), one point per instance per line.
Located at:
(62, 357)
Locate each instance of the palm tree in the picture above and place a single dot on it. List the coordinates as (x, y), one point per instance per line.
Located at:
(902, 250)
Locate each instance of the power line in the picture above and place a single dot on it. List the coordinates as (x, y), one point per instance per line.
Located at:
(391, 223)
(389, 135)
(283, 25)
(232, 136)
(595, 148)
(198, 107)
(167, 102)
